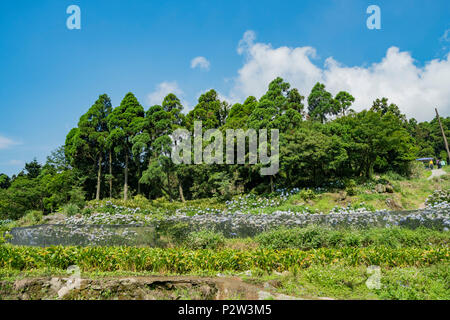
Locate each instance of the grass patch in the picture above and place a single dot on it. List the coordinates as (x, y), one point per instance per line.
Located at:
(338, 282)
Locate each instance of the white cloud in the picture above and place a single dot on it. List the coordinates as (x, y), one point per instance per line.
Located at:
(15, 162)
(6, 143)
(416, 90)
(162, 90)
(200, 62)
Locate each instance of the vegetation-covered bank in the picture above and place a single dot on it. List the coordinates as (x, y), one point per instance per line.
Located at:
(124, 152)
(315, 282)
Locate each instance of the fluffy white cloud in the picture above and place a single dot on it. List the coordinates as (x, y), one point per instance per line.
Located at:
(416, 90)
(200, 62)
(162, 90)
(6, 143)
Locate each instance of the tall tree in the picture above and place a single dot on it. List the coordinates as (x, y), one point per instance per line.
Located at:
(161, 121)
(382, 106)
(93, 128)
(5, 181)
(33, 169)
(320, 103)
(124, 123)
(343, 101)
(210, 110)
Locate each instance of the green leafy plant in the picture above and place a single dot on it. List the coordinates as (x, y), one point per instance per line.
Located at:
(71, 209)
(205, 239)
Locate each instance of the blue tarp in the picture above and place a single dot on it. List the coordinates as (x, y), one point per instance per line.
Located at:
(423, 159)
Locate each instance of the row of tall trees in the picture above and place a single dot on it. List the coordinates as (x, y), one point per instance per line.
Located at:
(124, 151)
(127, 149)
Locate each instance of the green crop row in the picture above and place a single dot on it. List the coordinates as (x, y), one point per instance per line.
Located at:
(185, 261)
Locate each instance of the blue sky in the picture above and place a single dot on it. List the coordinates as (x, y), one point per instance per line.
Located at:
(50, 75)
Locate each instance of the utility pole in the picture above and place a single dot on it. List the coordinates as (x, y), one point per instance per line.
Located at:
(443, 134)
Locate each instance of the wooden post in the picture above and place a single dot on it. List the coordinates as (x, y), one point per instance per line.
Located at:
(443, 135)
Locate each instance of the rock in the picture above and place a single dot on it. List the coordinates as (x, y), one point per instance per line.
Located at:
(389, 188)
(96, 287)
(267, 285)
(19, 285)
(56, 284)
(206, 291)
(264, 295)
(342, 195)
(393, 205)
(53, 218)
(63, 291)
(127, 281)
(380, 188)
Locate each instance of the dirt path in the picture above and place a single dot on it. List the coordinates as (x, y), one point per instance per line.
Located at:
(141, 288)
(436, 173)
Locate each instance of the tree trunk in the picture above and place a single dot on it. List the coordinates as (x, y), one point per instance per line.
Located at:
(168, 187)
(139, 178)
(125, 187)
(110, 174)
(180, 190)
(271, 184)
(99, 176)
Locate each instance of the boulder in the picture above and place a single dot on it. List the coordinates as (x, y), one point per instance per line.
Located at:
(393, 205)
(380, 188)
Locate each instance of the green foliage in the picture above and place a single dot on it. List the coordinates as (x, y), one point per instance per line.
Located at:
(188, 261)
(307, 194)
(301, 238)
(205, 239)
(31, 218)
(71, 209)
(5, 181)
(77, 196)
(350, 187)
(33, 169)
(210, 110)
(320, 103)
(317, 237)
(126, 151)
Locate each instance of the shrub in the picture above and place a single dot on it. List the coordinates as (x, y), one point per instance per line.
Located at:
(205, 239)
(316, 237)
(77, 196)
(32, 217)
(71, 209)
(310, 237)
(350, 187)
(392, 176)
(307, 194)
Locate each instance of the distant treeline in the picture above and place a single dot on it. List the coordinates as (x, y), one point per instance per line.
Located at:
(125, 151)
